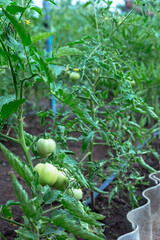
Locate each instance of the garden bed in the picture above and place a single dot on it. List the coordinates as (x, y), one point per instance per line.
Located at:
(115, 221)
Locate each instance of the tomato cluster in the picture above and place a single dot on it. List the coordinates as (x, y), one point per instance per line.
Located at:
(49, 174)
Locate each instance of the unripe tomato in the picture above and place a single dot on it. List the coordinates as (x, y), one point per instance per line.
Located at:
(45, 147)
(76, 193)
(39, 168)
(74, 76)
(62, 181)
(48, 174)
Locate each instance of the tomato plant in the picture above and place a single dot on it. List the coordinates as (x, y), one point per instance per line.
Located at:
(30, 66)
(101, 110)
(45, 147)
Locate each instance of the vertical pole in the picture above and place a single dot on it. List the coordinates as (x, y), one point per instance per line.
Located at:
(49, 43)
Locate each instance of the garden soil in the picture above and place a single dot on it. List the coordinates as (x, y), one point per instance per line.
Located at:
(115, 223)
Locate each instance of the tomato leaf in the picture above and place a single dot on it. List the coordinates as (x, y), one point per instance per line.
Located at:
(86, 141)
(20, 167)
(50, 73)
(20, 28)
(141, 161)
(14, 9)
(6, 209)
(98, 216)
(6, 99)
(40, 36)
(37, 9)
(50, 196)
(76, 209)
(77, 174)
(69, 223)
(11, 107)
(28, 205)
(66, 51)
(52, 2)
(60, 233)
(24, 234)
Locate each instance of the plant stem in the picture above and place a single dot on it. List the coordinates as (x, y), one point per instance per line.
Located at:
(52, 209)
(114, 30)
(12, 71)
(96, 143)
(87, 154)
(22, 139)
(22, 14)
(95, 15)
(90, 158)
(9, 138)
(28, 78)
(12, 221)
(1, 235)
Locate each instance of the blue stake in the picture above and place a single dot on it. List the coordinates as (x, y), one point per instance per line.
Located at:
(49, 43)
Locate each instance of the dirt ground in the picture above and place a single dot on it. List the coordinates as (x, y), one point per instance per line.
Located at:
(115, 221)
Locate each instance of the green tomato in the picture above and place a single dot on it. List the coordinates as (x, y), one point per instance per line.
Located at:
(74, 76)
(76, 193)
(62, 181)
(39, 168)
(45, 147)
(48, 174)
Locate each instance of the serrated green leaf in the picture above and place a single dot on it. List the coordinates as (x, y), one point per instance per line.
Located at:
(26, 235)
(80, 178)
(57, 69)
(6, 209)
(152, 113)
(58, 232)
(20, 28)
(40, 36)
(16, 46)
(71, 225)
(29, 138)
(20, 167)
(28, 205)
(37, 9)
(76, 209)
(9, 108)
(86, 141)
(88, 93)
(7, 212)
(14, 9)
(6, 99)
(141, 161)
(50, 196)
(70, 161)
(98, 216)
(139, 110)
(66, 51)
(52, 2)
(51, 76)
